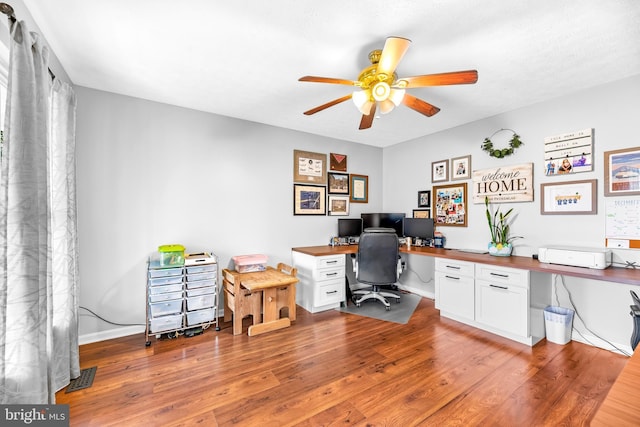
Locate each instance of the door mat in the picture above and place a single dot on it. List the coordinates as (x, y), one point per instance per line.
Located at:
(85, 380)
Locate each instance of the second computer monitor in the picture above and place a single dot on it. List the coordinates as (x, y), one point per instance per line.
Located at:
(383, 219)
(349, 227)
(420, 228)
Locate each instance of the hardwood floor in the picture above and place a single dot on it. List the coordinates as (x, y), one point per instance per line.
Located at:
(333, 368)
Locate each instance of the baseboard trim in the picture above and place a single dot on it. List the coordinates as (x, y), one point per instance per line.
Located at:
(120, 332)
(423, 293)
(600, 343)
(109, 334)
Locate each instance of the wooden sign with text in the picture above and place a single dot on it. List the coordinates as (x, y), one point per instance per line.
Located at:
(504, 184)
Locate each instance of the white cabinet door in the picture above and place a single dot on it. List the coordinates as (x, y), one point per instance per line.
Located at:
(503, 306)
(455, 294)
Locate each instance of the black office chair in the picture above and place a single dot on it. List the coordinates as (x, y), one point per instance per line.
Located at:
(377, 264)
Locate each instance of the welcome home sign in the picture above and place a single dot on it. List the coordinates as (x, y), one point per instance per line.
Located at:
(504, 184)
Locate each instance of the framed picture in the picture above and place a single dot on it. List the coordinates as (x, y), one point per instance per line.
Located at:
(424, 199)
(338, 183)
(568, 153)
(309, 167)
(421, 213)
(450, 205)
(460, 168)
(359, 189)
(338, 205)
(622, 172)
(569, 198)
(440, 171)
(337, 162)
(309, 199)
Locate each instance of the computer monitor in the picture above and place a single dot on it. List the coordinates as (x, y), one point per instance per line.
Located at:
(349, 227)
(370, 220)
(421, 228)
(383, 219)
(392, 220)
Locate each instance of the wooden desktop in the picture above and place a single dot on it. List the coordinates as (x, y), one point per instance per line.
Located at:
(628, 276)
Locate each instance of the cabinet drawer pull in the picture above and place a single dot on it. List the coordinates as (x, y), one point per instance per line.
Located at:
(331, 274)
(499, 287)
(451, 277)
(332, 262)
(499, 275)
(331, 292)
(455, 267)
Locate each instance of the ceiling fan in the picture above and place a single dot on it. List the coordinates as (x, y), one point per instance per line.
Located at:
(381, 88)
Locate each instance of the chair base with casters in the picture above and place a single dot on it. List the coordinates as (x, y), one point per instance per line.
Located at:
(376, 265)
(375, 292)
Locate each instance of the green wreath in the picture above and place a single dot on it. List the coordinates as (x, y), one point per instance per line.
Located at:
(514, 143)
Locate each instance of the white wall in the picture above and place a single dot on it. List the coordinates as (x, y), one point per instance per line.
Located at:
(151, 174)
(611, 110)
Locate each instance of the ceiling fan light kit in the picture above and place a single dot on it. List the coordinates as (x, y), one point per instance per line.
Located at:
(380, 88)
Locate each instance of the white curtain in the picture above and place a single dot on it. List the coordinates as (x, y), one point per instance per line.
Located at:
(38, 250)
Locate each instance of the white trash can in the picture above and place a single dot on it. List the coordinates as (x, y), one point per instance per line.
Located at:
(558, 322)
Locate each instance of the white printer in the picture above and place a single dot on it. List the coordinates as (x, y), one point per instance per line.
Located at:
(575, 256)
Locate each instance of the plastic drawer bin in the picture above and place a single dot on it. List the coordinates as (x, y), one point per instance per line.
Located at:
(199, 302)
(200, 284)
(203, 268)
(558, 322)
(208, 275)
(165, 296)
(165, 323)
(200, 316)
(165, 272)
(165, 280)
(155, 290)
(201, 291)
(166, 307)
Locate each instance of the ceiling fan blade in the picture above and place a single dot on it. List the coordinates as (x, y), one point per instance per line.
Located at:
(419, 105)
(367, 119)
(442, 79)
(328, 80)
(393, 51)
(327, 105)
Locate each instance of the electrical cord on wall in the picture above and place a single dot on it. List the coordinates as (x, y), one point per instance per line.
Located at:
(110, 322)
(419, 277)
(575, 309)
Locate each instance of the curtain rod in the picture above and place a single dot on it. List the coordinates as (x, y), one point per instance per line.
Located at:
(7, 9)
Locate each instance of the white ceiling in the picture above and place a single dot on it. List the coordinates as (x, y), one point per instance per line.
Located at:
(243, 58)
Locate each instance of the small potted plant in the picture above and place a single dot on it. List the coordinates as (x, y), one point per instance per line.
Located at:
(500, 228)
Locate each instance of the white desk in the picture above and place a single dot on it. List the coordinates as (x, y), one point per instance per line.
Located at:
(522, 286)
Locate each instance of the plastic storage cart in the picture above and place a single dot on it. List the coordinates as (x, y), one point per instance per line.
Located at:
(181, 297)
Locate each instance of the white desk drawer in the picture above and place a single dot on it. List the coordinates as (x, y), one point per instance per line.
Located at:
(461, 268)
(329, 292)
(330, 273)
(329, 261)
(503, 275)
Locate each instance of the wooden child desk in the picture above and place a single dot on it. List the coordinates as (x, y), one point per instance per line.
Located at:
(274, 287)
